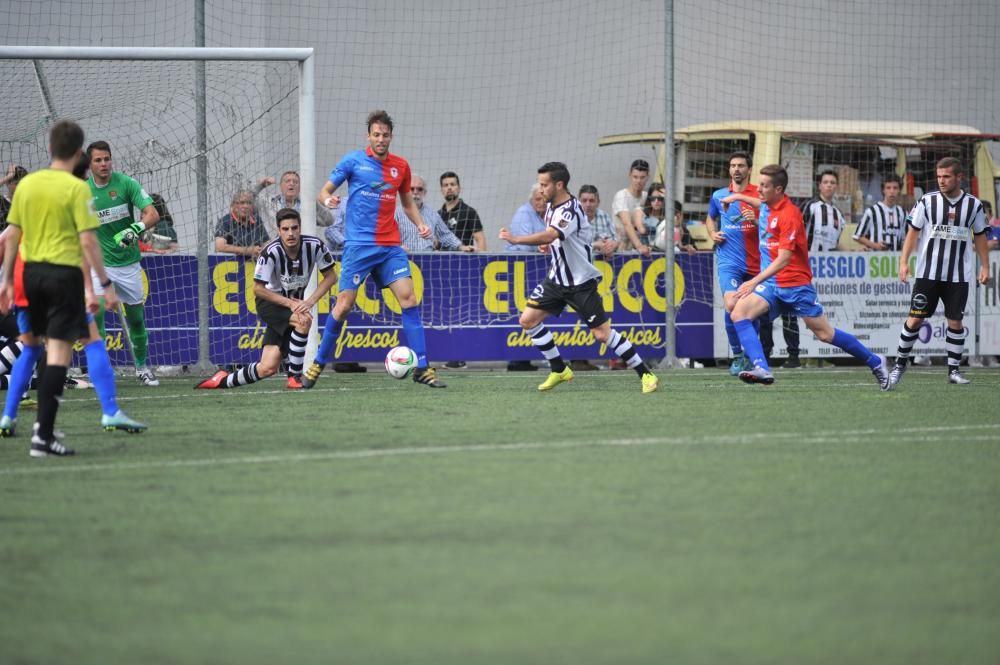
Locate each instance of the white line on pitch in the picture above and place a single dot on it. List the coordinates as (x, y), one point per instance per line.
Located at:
(904, 433)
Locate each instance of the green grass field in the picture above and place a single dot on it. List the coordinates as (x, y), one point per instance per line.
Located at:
(374, 521)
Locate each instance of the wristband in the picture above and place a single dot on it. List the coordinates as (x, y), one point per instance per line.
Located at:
(106, 284)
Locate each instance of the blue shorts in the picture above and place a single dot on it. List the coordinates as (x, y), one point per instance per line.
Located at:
(731, 277)
(23, 321)
(387, 264)
(798, 300)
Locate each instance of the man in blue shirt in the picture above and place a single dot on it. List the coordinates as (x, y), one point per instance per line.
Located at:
(375, 178)
(528, 220)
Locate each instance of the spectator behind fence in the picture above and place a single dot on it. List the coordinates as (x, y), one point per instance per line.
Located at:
(605, 237)
(11, 178)
(333, 235)
(883, 225)
(823, 220)
(993, 230)
(527, 220)
(682, 235)
(651, 214)
(625, 202)
(162, 238)
(239, 232)
(268, 205)
(441, 237)
(461, 218)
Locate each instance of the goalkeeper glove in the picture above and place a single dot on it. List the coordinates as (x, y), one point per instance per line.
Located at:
(129, 234)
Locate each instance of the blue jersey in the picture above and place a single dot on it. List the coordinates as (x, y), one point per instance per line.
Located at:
(372, 186)
(740, 252)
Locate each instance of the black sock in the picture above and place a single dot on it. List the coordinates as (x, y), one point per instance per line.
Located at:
(50, 388)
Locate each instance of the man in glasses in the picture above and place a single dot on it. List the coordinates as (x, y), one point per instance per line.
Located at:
(441, 238)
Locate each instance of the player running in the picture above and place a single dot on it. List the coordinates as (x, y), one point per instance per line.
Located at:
(572, 280)
(117, 197)
(737, 246)
(375, 177)
(784, 283)
(283, 271)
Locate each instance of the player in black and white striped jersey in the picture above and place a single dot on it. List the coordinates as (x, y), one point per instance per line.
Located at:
(883, 225)
(823, 221)
(572, 280)
(282, 273)
(947, 224)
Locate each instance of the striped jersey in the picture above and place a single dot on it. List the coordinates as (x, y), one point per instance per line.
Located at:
(824, 224)
(881, 223)
(946, 235)
(371, 196)
(572, 259)
(781, 228)
(741, 249)
(282, 274)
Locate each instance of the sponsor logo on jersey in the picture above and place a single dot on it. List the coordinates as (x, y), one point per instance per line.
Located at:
(112, 194)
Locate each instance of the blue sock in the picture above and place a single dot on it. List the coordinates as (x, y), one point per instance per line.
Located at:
(99, 366)
(20, 378)
(331, 331)
(756, 327)
(849, 343)
(414, 331)
(734, 338)
(751, 343)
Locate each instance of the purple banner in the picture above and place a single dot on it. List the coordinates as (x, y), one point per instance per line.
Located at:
(469, 304)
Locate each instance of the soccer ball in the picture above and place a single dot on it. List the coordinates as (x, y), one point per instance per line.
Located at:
(400, 361)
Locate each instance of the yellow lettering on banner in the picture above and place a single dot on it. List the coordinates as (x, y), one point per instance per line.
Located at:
(254, 340)
(604, 286)
(520, 284)
(658, 302)
(495, 287)
(366, 304)
(368, 339)
(629, 301)
(581, 337)
(224, 288)
(114, 342)
(248, 268)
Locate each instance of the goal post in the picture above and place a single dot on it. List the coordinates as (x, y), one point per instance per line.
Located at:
(306, 137)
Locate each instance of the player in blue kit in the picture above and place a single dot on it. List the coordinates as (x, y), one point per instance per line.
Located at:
(375, 177)
(737, 250)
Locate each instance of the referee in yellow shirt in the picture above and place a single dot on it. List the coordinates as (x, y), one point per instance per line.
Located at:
(52, 217)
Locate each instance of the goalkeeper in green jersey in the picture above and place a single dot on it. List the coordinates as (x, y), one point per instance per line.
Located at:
(117, 199)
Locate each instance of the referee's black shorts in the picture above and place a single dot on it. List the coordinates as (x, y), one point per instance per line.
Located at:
(553, 298)
(277, 320)
(928, 292)
(55, 301)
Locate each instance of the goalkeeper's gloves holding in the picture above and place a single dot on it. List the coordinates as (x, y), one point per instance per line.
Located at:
(129, 234)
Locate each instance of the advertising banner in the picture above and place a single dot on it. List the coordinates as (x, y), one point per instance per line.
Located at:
(469, 304)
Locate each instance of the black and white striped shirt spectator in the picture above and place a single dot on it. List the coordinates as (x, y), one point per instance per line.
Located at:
(883, 226)
(823, 221)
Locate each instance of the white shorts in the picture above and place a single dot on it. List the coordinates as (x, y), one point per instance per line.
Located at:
(127, 280)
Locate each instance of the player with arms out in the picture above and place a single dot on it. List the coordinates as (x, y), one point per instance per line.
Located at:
(572, 280)
(942, 223)
(733, 228)
(117, 197)
(375, 177)
(784, 283)
(283, 271)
